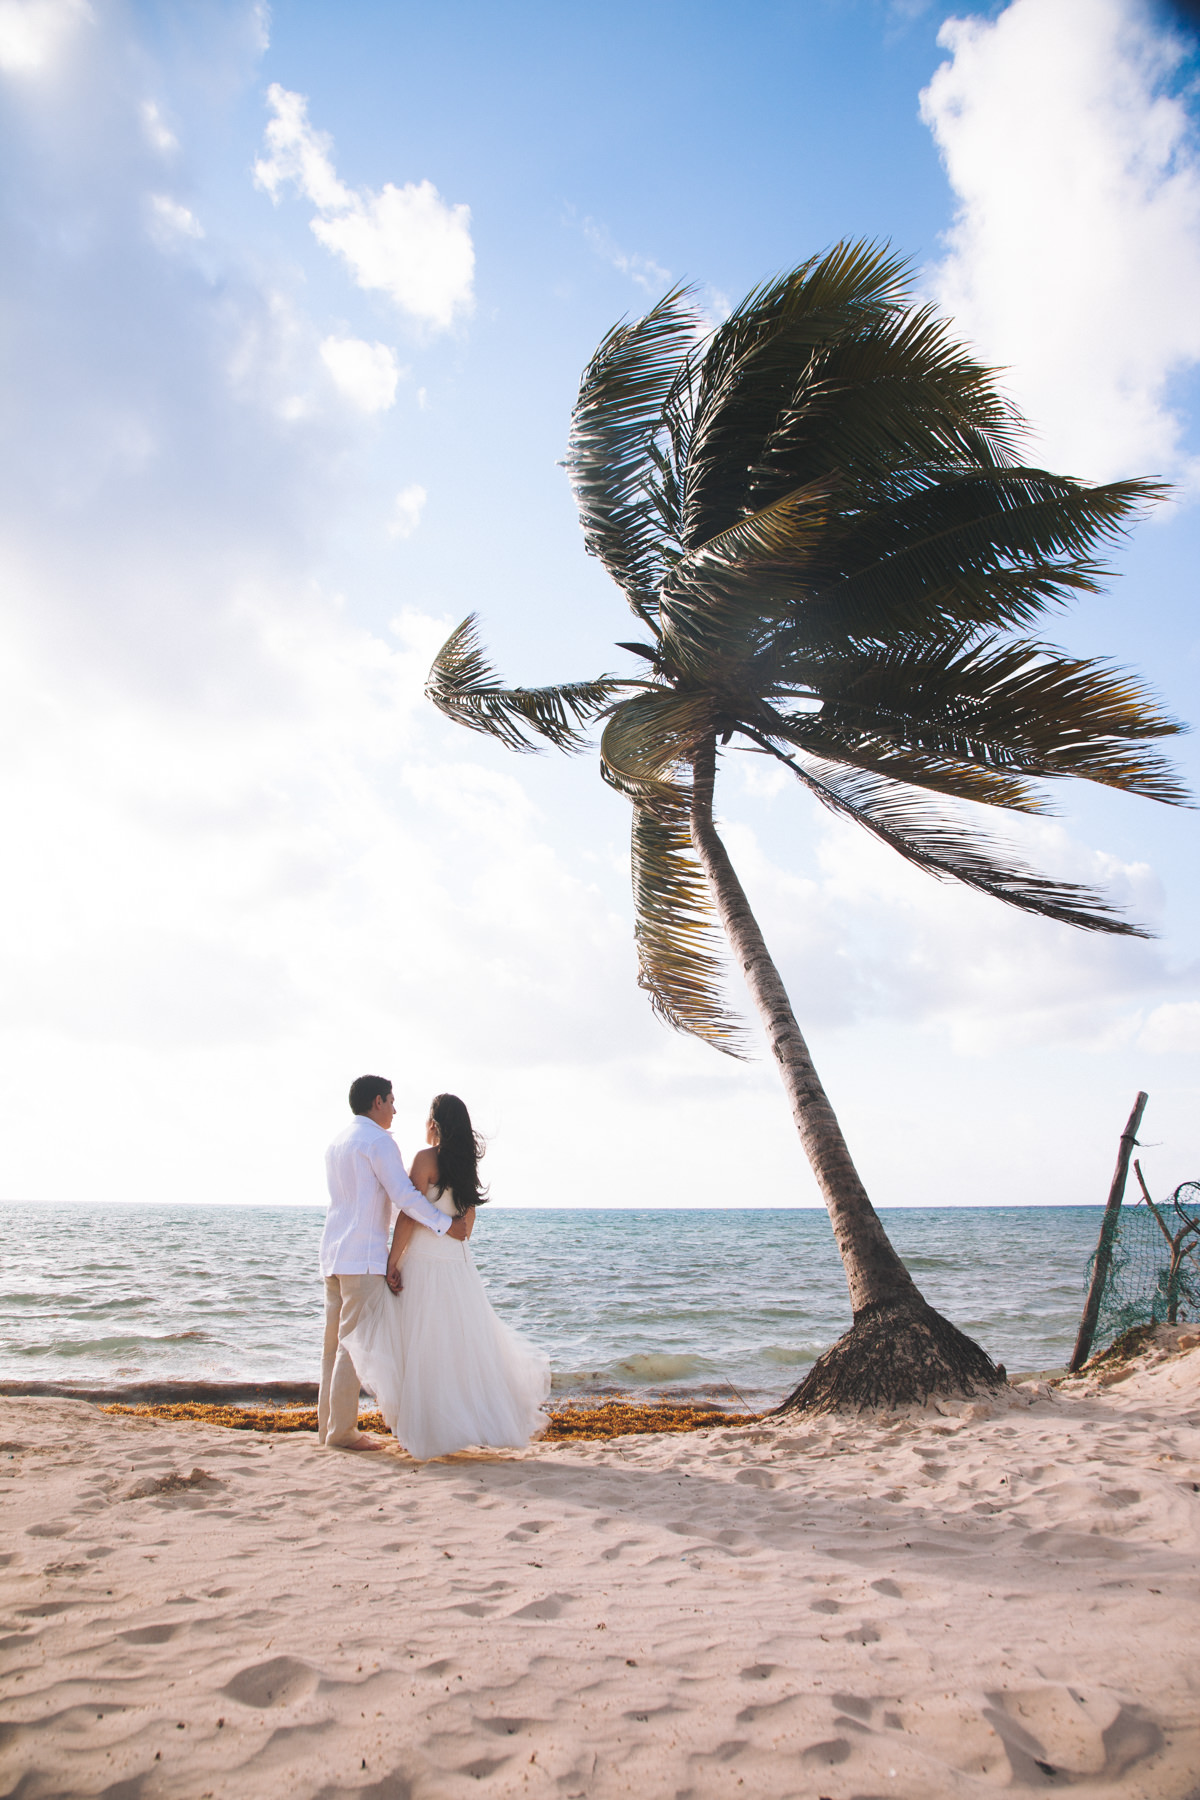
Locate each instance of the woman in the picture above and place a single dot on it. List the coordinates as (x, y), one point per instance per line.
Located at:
(445, 1370)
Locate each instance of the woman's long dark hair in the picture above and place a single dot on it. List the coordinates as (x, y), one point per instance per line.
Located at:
(458, 1151)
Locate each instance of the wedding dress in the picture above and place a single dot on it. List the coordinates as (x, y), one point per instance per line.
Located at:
(447, 1373)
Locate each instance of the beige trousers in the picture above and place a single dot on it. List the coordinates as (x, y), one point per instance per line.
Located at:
(337, 1403)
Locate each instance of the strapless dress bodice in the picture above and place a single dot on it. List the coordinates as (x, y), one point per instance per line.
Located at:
(444, 1201)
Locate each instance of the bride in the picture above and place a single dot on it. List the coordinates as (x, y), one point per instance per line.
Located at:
(445, 1370)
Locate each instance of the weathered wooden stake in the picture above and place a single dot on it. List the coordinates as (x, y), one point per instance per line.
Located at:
(1108, 1229)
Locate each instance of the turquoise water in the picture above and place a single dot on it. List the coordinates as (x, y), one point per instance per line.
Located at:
(693, 1301)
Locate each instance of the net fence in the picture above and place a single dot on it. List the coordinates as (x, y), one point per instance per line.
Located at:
(1154, 1275)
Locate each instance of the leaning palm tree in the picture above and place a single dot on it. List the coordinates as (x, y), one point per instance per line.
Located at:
(817, 514)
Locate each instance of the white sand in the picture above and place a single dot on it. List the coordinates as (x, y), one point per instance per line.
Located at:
(942, 1605)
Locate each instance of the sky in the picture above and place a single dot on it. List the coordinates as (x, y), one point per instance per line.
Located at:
(294, 305)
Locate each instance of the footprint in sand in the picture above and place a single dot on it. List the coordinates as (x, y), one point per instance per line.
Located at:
(509, 1727)
(152, 1634)
(549, 1608)
(854, 1705)
(281, 1682)
(1057, 1731)
(826, 1754)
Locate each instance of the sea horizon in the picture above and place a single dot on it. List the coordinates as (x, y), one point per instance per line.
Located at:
(814, 1206)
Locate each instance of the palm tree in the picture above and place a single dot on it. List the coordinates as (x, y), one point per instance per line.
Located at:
(816, 512)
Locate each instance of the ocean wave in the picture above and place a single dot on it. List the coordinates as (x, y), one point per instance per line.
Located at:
(660, 1366)
(566, 1381)
(635, 1370)
(108, 1346)
(787, 1356)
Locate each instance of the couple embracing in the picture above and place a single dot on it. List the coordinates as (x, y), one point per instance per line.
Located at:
(406, 1314)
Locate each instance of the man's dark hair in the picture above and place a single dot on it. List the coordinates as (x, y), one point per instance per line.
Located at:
(366, 1091)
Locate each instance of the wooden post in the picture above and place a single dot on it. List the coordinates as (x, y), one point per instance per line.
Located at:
(1108, 1229)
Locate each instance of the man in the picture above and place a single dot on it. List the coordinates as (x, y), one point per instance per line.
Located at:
(368, 1187)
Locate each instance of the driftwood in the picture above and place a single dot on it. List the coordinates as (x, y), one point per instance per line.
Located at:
(1108, 1229)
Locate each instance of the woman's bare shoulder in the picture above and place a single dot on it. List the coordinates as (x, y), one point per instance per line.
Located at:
(424, 1169)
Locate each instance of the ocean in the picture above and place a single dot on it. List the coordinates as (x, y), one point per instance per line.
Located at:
(703, 1303)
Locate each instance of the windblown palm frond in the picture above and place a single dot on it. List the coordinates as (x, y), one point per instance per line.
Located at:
(951, 847)
(988, 547)
(829, 369)
(883, 404)
(617, 416)
(943, 774)
(463, 685)
(1003, 705)
(720, 597)
(649, 736)
(681, 965)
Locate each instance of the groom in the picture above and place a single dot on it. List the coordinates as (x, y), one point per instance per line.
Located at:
(368, 1186)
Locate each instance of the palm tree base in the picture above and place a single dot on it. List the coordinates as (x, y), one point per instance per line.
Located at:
(894, 1355)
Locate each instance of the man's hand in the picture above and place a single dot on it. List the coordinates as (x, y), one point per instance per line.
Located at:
(458, 1231)
(394, 1281)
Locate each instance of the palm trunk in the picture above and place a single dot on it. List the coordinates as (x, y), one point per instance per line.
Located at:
(874, 1272)
(887, 1304)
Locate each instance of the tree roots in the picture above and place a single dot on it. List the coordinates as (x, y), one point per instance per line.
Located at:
(894, 1355)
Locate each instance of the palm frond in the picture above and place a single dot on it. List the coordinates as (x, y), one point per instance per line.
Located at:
(720, 597)
(463, 685)
(617, 416)
(952, 848)
(679, 945)
(648, 736)
(992, 546)
(882, 402)
(830, 369)
(1006, 705)
(875, 754)
(813, 570)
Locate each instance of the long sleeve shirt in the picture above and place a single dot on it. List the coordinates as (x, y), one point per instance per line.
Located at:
(368, 1189)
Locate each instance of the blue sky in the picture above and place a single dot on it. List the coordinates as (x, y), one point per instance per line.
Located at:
(295, 306)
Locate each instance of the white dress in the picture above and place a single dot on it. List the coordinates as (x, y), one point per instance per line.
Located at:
(447, 1373)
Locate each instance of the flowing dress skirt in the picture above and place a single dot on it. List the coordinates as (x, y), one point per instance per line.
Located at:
(448, 1373)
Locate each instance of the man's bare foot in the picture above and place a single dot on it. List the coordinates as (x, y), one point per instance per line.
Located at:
(361, 1440)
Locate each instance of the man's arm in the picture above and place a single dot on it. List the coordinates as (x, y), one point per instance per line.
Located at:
(388, 1165)
(401, 1238)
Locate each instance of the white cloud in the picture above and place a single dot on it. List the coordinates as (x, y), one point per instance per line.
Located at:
(365, 374)
(158, 133)
(33, 31)
(405, 242)
(643, 271)
(406, 511)
(171, 220)
(1173, 1029)
(864, 936)
(1075, 256)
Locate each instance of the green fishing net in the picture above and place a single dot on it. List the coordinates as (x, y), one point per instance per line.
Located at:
(1154, 1275)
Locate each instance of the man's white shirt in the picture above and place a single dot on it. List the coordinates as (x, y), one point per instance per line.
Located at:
(368, 1187)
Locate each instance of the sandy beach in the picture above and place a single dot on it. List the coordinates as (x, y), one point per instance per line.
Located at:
(955, 1601)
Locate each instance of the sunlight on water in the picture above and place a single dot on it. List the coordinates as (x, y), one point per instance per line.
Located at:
(694, 1301)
